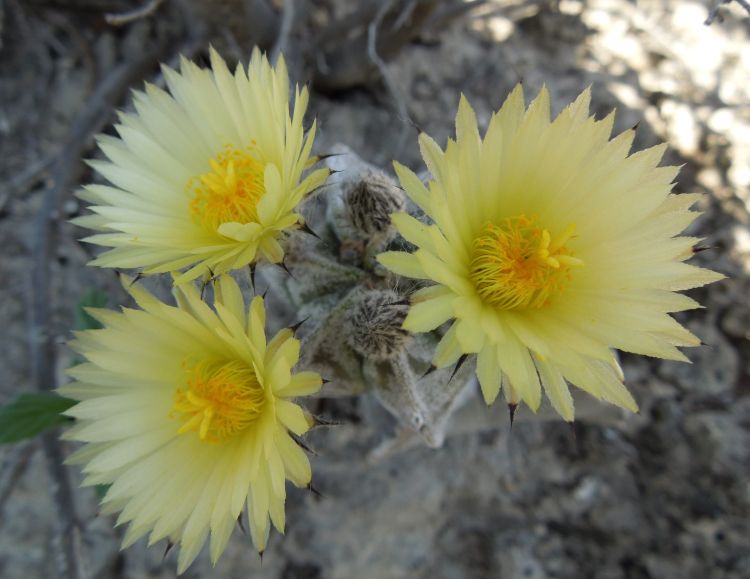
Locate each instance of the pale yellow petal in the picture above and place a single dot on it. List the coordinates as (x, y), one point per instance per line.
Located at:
(488, 372)
(428, 315)
(556, 389)
(448, 350)
(402, 263)
(413, 186)
(301, 384)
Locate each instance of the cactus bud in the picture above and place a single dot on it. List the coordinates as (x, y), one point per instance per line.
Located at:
(370, 203)
(374, 328)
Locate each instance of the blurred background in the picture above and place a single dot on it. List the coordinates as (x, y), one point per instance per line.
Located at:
(663, 494)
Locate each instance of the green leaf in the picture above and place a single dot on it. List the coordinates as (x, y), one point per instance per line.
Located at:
(30, 414)
(93, 298)
(101, 490)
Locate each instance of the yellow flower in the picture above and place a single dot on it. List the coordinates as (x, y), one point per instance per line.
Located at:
(185, 412)
(208, 177)
(549, 246)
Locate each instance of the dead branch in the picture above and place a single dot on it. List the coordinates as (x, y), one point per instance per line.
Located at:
(122, 18)
(66, 171)
(287, 20)
(372, 53)
(93, 6)
(2, 22)
(67, 539)
(13, 468)
(714, 11)
(23, 181)
(250, 22)
(453, 11)
(343, 60)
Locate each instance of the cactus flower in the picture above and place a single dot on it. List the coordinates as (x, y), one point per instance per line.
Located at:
(186, 413)
(549, 246)
(206, 178)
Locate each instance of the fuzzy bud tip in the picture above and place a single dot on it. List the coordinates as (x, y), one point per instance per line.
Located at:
(375, 324)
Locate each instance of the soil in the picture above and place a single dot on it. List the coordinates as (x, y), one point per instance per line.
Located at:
(664, 494)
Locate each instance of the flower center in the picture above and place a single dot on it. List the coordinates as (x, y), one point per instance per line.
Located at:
(517, 265)
(230, 191)
(218, 400)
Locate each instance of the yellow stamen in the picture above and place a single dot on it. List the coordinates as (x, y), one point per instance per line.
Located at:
(519, 265)
(230, 191)
(218, 400)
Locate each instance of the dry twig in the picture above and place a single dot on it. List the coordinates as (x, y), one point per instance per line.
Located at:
(24, 180)
(2, 22)
(122, 18)
(13, 468)
(372, 53)
(287, 20)
(65, 173)
(714, 13)
(342, 59)
(453, 11)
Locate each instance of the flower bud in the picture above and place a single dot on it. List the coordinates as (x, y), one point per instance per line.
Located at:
(370, 203)
(374, 328)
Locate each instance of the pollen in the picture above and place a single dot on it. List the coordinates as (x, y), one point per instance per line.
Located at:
(518, 265)
(230, 191)
(218, 400)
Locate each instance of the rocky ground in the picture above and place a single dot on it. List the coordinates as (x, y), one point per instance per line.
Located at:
(664, 494)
